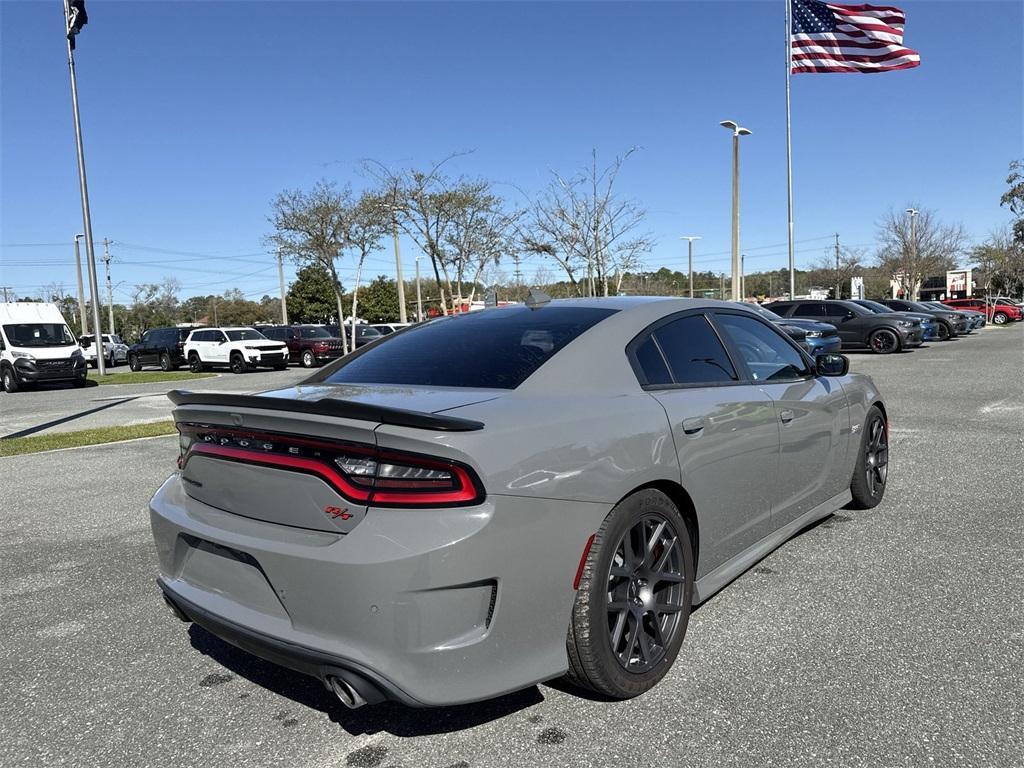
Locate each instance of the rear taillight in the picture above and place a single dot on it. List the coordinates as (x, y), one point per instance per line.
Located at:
(362, 474)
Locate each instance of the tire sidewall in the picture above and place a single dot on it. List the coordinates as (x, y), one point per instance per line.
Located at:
(237, 363)
(999, 318)
(195, 365)
(862, 499)
(884, 332)
(134, 364)
(592, 599)
(165, 361)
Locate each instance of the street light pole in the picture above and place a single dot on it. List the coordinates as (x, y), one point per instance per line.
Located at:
(689, 250)
(743, 276)
(402, 316)
(419, 297)
(82, 321)
(83, 189)
(280, 279)
(913, 252)
(737, 131)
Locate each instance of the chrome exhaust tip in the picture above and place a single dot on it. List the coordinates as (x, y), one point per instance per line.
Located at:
(346, 694)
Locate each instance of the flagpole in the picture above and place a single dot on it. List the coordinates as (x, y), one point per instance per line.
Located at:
(789, 152)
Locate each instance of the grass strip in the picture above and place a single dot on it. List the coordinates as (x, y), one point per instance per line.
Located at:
(16, 446)
(147, 377)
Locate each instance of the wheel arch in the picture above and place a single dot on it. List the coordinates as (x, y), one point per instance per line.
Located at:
(684, 503)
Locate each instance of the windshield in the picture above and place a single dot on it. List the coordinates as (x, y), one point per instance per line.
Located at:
(245, 334)
(857, 309)
(314, 332)
(495, 348)
(38, 335)
(916, 305)
(874, 306)
(767, 314)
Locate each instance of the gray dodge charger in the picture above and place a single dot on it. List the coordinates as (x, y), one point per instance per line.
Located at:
(483, 502)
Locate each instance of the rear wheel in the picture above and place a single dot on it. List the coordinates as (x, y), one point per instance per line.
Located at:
(884, 341)
(872, 470)
(308, 361)
(134, 363)
(194, 363)
(10, 381)
(634, 598)
(1000, 318)
(237, 363)
(165, 362)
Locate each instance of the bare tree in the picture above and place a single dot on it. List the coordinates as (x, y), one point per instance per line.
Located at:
(482, 232)
(315, 228)
(369, 223)
(1001, 259)
(934, 248)
(851, 262)
(589, 231)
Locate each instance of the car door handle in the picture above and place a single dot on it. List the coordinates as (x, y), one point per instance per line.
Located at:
(786, 416)
(693, 426)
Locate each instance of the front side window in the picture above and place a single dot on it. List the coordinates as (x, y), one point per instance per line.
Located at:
(38, 335)
(814, 309)
(495, 348)
(767, 354)
(838, 311)
(314, 332)
(693, 351)
(245, 334)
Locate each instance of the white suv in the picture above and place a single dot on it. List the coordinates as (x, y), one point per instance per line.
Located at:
(240, 349)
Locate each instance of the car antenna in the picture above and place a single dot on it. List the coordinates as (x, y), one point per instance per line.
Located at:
(536, 298)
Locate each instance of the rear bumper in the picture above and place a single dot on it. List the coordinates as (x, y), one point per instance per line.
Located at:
(428, 607)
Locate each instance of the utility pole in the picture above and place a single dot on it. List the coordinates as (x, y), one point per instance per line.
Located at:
(5, 289)
(83, 323)
(402, 316)
(770, 291)
(280, 278)
(721, 286)
(215, 311)
(419, 297)
(517, 275)
(110, 289)
(689, 250)
(743, 276)
(913, 252)
(839, 282)
(73, 22)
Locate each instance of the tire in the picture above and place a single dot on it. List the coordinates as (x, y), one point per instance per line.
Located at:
(944, 332)
(9, 380)
(308, 361)
(624, 659)
(111, 363)
(884, 341)
(872, 469)
(195, 365)
(238, 363)
(1000, 318)
(165, 362)
(134, 363)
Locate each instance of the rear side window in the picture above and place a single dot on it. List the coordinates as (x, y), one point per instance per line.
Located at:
(693, 351)
(495, 348)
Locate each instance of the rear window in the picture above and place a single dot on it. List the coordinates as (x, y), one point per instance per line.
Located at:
(495, 348)
(314, 332)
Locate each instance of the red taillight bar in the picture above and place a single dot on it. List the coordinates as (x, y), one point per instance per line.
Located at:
(411, 493)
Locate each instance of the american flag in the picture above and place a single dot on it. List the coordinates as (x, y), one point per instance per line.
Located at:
(848, 38)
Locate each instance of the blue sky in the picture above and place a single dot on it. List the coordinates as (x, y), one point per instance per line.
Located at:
(196, 114)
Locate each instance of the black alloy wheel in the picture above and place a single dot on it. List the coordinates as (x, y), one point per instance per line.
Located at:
(872, 470)
(645, 593)
(195, 365)
(944, 332)
(237, 363)
(165, 361)
(134, 364)
(884, 342)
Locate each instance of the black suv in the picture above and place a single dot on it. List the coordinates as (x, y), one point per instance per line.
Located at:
(310, 345)
(159, 346)
(858, 327)
(956, 322)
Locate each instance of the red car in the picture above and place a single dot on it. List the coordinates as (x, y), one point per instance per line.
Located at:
(999, 313)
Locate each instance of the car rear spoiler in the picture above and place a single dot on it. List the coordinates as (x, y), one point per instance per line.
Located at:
(344, 409)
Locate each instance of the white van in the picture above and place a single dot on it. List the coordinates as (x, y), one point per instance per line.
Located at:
(37, 345)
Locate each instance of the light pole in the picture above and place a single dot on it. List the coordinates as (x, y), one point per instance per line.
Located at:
(72, 24)
(737, 131)
(913, 252)
(743, 277)
(689, 250)
(280, 279)
(82, 321)
(419, 296)
(402, 316)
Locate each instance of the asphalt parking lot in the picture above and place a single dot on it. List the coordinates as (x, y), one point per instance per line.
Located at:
(893, 637)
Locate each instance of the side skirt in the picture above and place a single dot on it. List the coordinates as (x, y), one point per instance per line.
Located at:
(723, 574)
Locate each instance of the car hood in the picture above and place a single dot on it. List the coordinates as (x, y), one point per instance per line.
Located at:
(810, 325)
(405, 397)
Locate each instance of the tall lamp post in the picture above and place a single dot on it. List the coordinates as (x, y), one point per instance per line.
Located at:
(402, 316)
(689, 250)
(913, 252)
(82, 321)
(737, 131)
(74, 19)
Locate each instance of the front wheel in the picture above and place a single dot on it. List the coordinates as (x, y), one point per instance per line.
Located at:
(634, 597)
(195, 365)
(872, 470)
(944, 333)
(1000, 318)
(884, 342)
(134, 363)
(308, 361)
(10, 381)
(238, 363)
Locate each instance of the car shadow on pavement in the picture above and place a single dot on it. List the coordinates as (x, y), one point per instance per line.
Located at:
(394, 718)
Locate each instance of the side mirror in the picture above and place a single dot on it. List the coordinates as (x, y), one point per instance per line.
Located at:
(832, 365)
